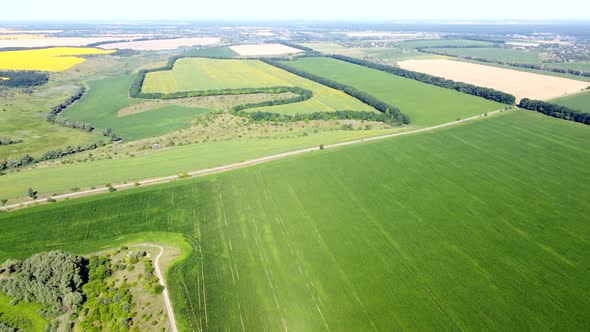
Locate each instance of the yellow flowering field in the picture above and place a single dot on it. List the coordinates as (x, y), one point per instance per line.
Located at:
(47, 59)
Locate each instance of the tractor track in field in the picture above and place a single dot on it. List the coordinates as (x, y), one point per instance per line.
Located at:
(232, 166)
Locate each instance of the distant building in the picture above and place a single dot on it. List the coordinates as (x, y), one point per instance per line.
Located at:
(156, 147)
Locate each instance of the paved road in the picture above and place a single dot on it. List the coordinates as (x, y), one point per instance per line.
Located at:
(240, 164)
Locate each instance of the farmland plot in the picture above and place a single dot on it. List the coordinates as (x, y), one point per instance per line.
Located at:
(518, 83)
(465, 228)
(192, 74)
(264, 49)
(48, 59)
(425, 104)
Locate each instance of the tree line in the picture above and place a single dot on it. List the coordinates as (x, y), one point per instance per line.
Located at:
(336, 115)
(487, 93)
(575, 72)
(360, 95)
(556, 111)
(26, 159)
(23, 78)
(52, 116)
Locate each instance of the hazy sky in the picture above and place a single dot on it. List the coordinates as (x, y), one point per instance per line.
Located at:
(294, 9)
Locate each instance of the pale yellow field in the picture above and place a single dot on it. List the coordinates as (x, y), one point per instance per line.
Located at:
(21, 36)
(54, 41)
(49, 59)
(163, 44)
(518, 83)
(264, 49)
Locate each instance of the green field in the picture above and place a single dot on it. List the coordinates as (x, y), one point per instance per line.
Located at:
(425, 104)
(579, 101)
(193, 74)
(23, 316)
(494, 53)
(582, 66)
(482, 226)
(443, 43)
(101, 111)
(165, 162)
(389, 54)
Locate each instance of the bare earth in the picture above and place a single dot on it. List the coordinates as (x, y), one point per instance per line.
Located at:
(51, 41)
(162, 44)
(520, 84)
(264, 49)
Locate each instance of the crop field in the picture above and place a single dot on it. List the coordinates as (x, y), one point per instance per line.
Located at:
(518, 83)
(441, 43)
(162, 44)
(169, 161)
(579, 101)
(466, 228)
(103, 112)
(581, 66)
(192, 74)
(425, 104)
(44, 41)
(47, 59)
(391, 54)
(264, 49)
(498, 54)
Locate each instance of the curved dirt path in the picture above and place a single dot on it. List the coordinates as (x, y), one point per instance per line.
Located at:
(232, 166)
(165, 293)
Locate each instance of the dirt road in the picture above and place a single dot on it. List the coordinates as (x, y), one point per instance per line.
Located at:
(228, 167)
(163, 283)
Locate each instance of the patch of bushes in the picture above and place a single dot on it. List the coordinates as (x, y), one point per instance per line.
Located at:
(9, 141)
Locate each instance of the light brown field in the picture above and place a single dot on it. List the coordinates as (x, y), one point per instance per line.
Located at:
(520, 84)
(162, 44)
(53, 41)
(264, 49)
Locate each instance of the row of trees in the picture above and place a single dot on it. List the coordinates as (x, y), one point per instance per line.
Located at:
(23, 78)
(336, 115)
(52, 116)
(487, 93)
(360, 95)
(556, 111)
(26, 159)
(300, 95)
(512, 64)
(68, 150)
(4, 140)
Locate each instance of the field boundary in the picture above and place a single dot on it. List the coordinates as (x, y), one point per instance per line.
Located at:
(232, 166)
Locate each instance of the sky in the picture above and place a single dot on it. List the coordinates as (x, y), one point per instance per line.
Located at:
(56, 10)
